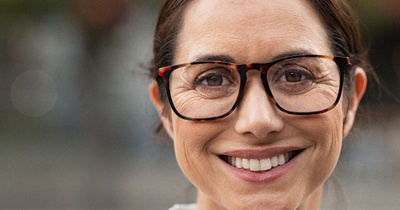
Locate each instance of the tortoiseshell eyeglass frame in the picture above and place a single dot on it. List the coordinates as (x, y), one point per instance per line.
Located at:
(342, 62)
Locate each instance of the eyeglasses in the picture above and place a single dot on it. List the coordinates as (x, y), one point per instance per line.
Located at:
(299, 85)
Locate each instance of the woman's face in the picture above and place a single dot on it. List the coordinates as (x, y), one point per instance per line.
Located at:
(255, 31)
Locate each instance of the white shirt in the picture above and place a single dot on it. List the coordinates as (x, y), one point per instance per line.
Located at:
(192, 206)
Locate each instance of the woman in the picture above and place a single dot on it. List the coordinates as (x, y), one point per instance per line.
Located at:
(257, 96)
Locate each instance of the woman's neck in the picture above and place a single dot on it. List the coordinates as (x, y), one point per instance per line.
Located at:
(313, 202)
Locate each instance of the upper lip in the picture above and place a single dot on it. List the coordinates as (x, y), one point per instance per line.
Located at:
(261, 153)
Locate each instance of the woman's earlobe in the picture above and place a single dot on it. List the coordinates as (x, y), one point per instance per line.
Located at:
(360, 85)
(163, 113)
(155, 97)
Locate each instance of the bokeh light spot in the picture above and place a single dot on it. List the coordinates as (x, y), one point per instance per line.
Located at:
(34, 93)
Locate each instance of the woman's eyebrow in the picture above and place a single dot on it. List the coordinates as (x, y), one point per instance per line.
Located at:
(212, 57)
(291, 53)
(229, 59)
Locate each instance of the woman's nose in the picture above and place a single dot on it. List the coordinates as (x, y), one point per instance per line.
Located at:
(257, 114)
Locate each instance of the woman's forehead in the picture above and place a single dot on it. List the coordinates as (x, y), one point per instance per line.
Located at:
(247, 26)
(246, 13)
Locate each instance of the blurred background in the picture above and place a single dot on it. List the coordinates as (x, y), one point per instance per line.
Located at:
(76, 123)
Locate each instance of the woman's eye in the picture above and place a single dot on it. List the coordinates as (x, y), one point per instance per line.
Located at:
(214, 80)
(292, 79)
(293, 76)
(215, 76)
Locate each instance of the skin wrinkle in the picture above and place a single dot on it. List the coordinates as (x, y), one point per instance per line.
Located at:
(245, 32)
(187, 157)
(335, 147)
(325, 167)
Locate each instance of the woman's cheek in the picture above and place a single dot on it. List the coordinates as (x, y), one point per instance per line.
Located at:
(190, 140)
(326, 134)
(189, 155)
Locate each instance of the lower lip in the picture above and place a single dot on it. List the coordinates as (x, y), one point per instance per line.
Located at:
(265, 176)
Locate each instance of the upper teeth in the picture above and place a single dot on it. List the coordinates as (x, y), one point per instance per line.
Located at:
(259, 164)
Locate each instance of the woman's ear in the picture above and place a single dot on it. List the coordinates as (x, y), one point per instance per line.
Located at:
(162, 110)
(360, 84)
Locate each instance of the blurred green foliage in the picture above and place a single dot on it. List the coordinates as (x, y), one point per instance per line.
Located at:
(374, 15)
(40, 8)
(11, 9)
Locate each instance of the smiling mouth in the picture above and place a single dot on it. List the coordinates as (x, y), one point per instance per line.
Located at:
(260, 165)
